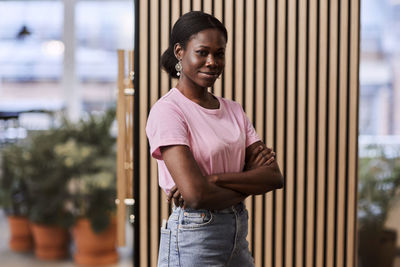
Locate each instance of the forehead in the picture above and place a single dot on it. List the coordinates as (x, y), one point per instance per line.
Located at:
(212, 38)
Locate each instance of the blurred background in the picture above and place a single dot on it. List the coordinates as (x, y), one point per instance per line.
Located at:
(58, 61)
(58, 83)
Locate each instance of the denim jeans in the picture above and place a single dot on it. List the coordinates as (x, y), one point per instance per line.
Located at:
(194, 238)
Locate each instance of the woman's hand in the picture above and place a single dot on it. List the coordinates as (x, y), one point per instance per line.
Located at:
(260, 156)
(176, 196)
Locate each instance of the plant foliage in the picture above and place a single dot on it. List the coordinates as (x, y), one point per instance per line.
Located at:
(379, 184)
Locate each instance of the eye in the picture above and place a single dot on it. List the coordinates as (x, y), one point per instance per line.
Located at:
(220, 54)
(202, 53)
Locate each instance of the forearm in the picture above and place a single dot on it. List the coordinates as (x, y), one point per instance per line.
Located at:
(252, 182)
(216, 197)
(196, 189)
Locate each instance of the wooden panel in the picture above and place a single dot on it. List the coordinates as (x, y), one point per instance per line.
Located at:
(280, 131)
(322, 133)
(293, 65)
(342, 130)
(291, 133)
(301, 131)
(353, 88)
(332, 134)
(311, 134)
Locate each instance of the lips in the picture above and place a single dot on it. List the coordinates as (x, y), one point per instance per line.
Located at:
(210, 74)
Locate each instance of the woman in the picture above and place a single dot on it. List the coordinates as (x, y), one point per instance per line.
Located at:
(209, 156)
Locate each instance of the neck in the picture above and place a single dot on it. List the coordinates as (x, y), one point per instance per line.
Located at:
(192, 91)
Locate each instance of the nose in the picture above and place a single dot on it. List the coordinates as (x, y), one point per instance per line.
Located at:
(211, 62)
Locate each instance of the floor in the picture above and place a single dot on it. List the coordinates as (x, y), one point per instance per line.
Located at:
(12, 259)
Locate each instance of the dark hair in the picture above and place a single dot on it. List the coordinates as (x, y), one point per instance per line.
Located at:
(184, 28)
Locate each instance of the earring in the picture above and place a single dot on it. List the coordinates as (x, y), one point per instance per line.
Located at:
(178, 68)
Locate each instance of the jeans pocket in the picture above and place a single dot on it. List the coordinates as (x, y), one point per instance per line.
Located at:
(195, 219)
(163, 253)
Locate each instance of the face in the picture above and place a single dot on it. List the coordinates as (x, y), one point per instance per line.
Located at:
(203, 59)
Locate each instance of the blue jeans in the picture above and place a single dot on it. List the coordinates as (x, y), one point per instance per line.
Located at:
(194, 238)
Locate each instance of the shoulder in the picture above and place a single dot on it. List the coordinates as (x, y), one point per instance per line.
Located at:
(167, 103)
(231, 105)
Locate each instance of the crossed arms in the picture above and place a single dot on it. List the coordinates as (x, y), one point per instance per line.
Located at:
(260, 175)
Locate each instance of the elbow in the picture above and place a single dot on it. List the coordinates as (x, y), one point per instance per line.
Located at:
(280, 180)
(280, 183)
(194, 201)
(198, 199)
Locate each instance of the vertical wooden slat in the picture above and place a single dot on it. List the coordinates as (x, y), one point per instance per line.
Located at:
(144, 224)
(290, 141)
(269, 100)
(343, 54)
(185, 6)
(228, 74)
(208, 6)
(259, 70)
(164, 81)
(121, 191)
(240, 35)
(154, 205)
(332, 170)
(129, 130)
(244, 75)
(322, 131)
(197, 5)
(175, 12)
(218, 13)
(311, 139)
(353, 133)
(301, 118)
(280, 129)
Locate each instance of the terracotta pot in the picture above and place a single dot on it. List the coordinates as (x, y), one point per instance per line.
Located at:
(95, 248)
(21, 236)
(51, 242)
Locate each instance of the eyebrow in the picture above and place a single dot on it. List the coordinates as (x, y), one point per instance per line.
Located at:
(204, 46)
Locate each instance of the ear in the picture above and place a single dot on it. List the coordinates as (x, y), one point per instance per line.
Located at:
(178, 51)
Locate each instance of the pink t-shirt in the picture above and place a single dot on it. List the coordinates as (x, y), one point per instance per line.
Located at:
(217, 137)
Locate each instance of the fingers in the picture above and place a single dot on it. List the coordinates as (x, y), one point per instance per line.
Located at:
(267, 157)
(270, 161)
(259, 159)
(171, 193)
(176, 197)
(255, 153)
(270, 158)
(181, 201)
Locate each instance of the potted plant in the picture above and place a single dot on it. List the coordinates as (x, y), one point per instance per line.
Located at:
(95, 229)
(379, 184)
(14, 196)
(90, 151)
(46, 181)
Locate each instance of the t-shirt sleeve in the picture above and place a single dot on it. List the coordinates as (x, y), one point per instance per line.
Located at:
(251, 134)
(165, 126)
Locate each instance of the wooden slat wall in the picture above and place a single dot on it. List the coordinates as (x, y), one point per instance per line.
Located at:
(293, 65)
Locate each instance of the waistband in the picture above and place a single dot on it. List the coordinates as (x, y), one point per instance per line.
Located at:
(232, 209)
(235, 208)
